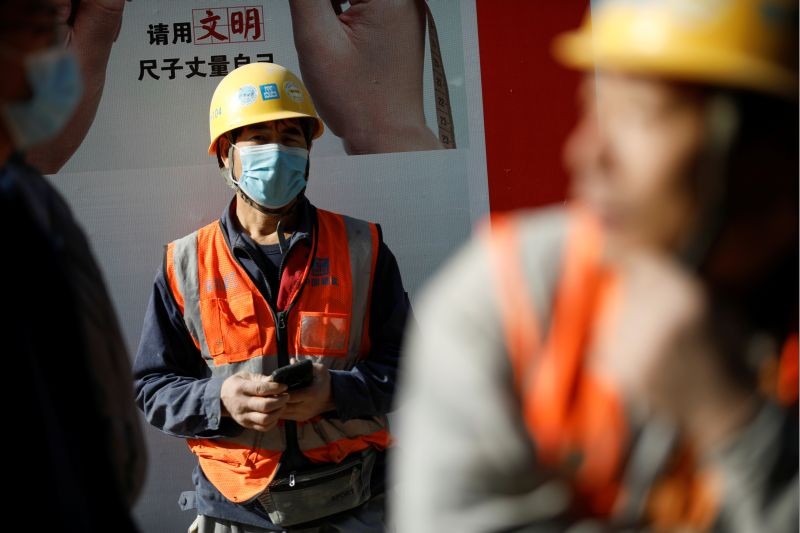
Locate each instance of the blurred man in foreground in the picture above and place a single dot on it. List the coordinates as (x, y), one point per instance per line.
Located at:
(628, 362)
(80, 444)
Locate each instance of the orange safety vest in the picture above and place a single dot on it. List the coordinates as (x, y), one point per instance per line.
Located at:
(779, 375)
(325, 319)
(552, 287)
(786, 389)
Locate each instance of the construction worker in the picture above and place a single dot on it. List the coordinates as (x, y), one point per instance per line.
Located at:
(599, 367)
(70, 387)
(275, 281)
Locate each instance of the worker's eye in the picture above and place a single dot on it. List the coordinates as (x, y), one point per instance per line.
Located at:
(292, 141)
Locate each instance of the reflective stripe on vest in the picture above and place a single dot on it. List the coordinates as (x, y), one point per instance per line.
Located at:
(233, 327)
(551, 289)
(548, 284)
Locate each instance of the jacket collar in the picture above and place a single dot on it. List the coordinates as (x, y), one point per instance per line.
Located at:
(237, 237)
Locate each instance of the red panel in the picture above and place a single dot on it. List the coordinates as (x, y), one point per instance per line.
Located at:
(528, 99)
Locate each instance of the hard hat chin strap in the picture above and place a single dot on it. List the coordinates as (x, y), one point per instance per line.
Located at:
(722, 120)
(299, 200)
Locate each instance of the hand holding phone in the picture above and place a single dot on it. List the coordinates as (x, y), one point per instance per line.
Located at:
(295, 376)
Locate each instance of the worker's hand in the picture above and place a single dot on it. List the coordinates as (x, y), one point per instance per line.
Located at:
(96, 26)
(100, 19)
(661, 353)
(313, 400)
(364, 71)
(254, 401)
(656, 305)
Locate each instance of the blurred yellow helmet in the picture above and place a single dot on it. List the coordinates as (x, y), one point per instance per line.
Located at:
(739, 43)
(258, 92)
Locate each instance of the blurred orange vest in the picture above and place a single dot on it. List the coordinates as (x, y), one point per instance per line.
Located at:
(576, 420)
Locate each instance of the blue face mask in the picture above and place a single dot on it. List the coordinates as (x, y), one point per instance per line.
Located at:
(272, 174)
(55, 83)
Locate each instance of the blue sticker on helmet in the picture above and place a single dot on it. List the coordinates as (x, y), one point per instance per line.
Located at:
(269, 91)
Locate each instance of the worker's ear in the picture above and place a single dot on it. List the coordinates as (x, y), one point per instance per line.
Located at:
(223, 148)
(309, 126)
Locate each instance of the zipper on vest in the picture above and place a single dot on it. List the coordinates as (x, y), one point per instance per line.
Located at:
(280, 334)
(292, 451)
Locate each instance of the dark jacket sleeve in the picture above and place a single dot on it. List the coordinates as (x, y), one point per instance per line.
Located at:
(368, 388)
(174, 387)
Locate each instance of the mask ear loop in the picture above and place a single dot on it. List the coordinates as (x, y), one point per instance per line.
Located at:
(227, 171)
(231, 163)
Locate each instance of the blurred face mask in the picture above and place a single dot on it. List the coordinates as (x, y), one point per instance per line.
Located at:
(55, 83)
(272, 174)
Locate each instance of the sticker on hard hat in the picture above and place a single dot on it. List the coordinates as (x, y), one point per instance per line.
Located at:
(269, 91)
(294, 92)
(247, 95)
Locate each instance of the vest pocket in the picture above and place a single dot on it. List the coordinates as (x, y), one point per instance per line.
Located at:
(231, 328)
(324, 333)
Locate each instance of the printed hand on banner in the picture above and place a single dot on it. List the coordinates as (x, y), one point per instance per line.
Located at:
(364, 71)
(93, 32)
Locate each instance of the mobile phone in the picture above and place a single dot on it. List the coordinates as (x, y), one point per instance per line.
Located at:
(295, 376)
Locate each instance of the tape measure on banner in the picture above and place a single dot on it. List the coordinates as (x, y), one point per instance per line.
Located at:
(444, 113)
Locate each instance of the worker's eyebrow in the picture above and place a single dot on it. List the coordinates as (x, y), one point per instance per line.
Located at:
(291, 129)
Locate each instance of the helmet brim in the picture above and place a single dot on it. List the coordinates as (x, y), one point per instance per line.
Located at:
(708, 66)
(267, 117)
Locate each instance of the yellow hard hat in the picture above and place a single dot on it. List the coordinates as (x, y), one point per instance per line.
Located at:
(258, 92)
(739, 43)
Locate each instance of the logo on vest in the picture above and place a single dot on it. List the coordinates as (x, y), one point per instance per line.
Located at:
(228, 281)
(321, 273)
